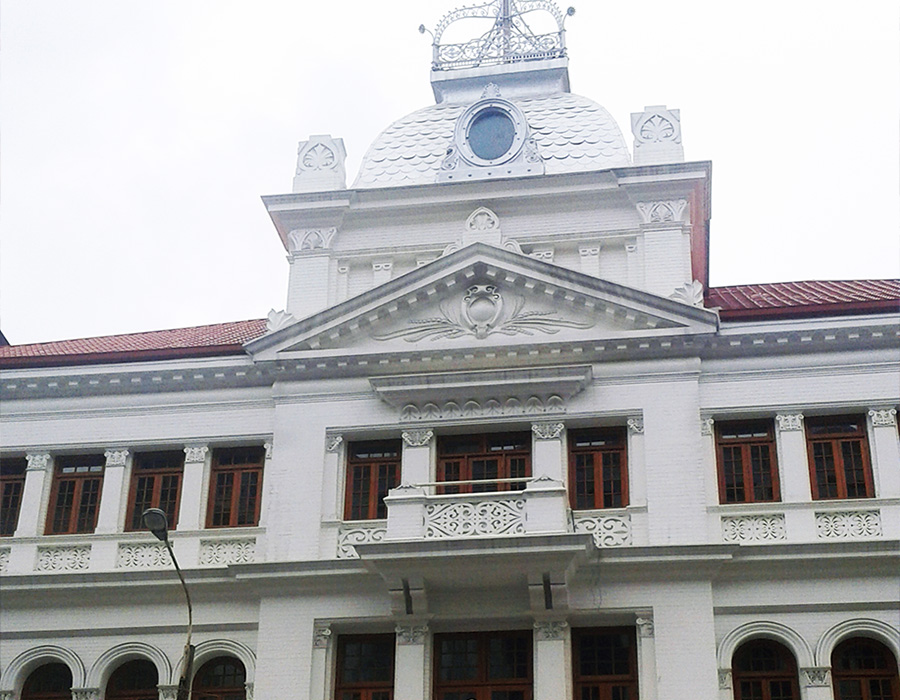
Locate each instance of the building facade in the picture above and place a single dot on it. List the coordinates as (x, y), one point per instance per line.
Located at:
(503, 443)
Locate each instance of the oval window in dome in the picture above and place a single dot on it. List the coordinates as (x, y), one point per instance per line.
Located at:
(491, 134)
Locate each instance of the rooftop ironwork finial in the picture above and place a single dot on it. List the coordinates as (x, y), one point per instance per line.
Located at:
(509, 40)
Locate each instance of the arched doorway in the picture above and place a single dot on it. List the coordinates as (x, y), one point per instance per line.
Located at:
(763, 669)
(864, 669)
(133, 680)
(221, 678)
(51, 681)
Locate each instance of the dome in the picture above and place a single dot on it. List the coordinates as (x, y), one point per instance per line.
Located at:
(572, 134)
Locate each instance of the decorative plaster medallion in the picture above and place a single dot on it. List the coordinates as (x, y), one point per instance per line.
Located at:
(547, 431)
(483, 219)
(317, 156)
(116, 458)
(690, 293)
(846, 525)
(668, 211)
(547, 630)
(483, 311)
(884, 417)
(411, 634)
(644, 625)
(787, 422)
(706, 426)
(195, 453)
(276, 320)
(815, 677)
(417, 438)
(656, 125)
(37, 462)
(321, 636)
(332, 442)
(636, 425)
(725, 679)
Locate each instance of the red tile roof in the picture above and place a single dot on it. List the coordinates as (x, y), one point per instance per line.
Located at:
(787, 299)
(199, 341)
(737, 303)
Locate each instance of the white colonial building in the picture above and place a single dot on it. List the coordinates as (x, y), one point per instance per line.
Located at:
(504, 443)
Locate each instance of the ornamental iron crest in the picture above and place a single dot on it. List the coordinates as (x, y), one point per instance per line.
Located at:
(483, 311)
(509, 40)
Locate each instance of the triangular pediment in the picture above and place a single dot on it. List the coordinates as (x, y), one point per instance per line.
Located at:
(483, 296)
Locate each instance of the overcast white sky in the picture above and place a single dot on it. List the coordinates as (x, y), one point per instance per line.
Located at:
(138, 136)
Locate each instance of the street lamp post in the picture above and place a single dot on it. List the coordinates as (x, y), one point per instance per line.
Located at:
(155, 520)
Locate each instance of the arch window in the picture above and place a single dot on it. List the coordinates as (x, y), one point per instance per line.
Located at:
(863, 669)
(222, 678)
(765, 670)
(133, 680)
(48, 682)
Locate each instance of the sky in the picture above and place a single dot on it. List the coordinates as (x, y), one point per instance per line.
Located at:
(137, 137)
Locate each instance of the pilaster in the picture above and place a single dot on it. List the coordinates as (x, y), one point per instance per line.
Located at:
(190, 510)
(548, 450)
(816, 682)
(415, 464)
(331, 487)
(792, 463)
(589, 255)
(322, 650)
(552, 660)
(36, 474)
(411, 661)
(885, 452)
(111, 492)
(646, 643)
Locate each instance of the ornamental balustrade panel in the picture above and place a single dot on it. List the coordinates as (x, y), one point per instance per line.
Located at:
(142, 555)
(850, 524)
(607, 529)
(769, 527)
(483, 515)
(63, 558)
(351, 534)
(221, 552)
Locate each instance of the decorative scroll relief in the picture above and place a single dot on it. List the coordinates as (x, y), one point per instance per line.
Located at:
(668, 211)
(483, 219)
(333, 442)
(635, 425)
(64, 558)
(4, 559)
(350, 535)
(547, 630)
(547, 431)
(315, 155)
(38, 462)
(484, 311)
(846, 525)
(754, 528)
(816, 677)
(276, 320)
(116, 458)
(690, 293)
(321, 636)
(411, 634)
(644, 625)
(607, 530)
(195, 453)
(474, 409)
(310, 239)
(706, 426)
(142, 555)
(417, 438)
(886, 417)
(221, 552)
(788, 422)
(495, 517)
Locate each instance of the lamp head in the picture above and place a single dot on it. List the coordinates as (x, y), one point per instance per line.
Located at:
(155, 520)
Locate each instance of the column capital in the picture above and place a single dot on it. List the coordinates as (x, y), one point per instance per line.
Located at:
(724, 679)
(85, 693)
(546, 630)
(644, 625)
(248, 688)
(883, 417)
(321, 636)
(38, 461)
(636, 425)
(815, 677)
(417, 438)
(116, 457)
(787, 422)
(267, 446)
(706, 425)
(411, 634)
(167, 692)
(195, 453)
(547, 430)
(333, 442)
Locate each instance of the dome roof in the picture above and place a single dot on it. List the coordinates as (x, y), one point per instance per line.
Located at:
(572, 134)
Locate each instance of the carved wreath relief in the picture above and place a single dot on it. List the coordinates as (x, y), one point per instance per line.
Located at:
(483, 311)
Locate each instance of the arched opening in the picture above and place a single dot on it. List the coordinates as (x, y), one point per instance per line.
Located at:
(221, 678)
(133, 680)
(864, 669)
(763, 669)
(48, 682)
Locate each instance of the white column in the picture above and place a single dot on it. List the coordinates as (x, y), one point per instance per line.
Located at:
(817, 683)
(36, 472)
(415, 465)
(411, 662)
(320, 688)
(552, 662)
(111, 492)
(189, 511)
(885, 452)
(646, 657)
(547, 454)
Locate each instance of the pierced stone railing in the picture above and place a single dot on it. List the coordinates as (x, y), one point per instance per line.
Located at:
(607, 529)
(353, 533)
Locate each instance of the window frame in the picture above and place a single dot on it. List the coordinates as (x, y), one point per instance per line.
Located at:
(836, 439)
(235, 472)
(132, 517)
(746, 443)
(484, 451)
(375, 508)
(482, 686)
(890, 674)
(604, 683)
(766, 677)
(113, 692)
(620, 448)
(218, 692)
(365, 689)
(96, 465)
(10, 496)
